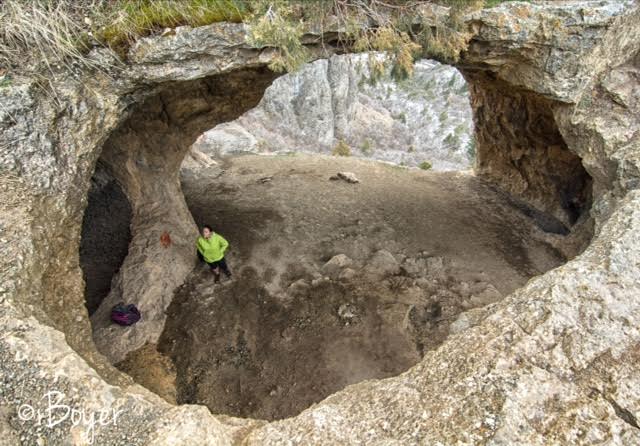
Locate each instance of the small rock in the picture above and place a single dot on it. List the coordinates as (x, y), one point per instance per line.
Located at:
(463, 289)
(347, 274)
(298, 288)
(423, 283)
(336, 264)
(265, 180)
(488, 296)
(349, 177)
(383, 263)
(466, 320)
(346, 311)
(414, 267)
(435, 267)
(319, 281)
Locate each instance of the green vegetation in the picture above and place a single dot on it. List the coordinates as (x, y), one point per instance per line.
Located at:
(37, 34)
(443, 116)
(274, 24)
(5, 81)
(366, 147)
(492, 3)
(402, 117)
(452, 140)
(425, 165)
(126, 20)
(262, 145)
(60, 32)
(341, 149)
(471, 149)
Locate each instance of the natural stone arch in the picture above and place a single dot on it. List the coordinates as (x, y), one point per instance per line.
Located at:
(542, 334)
(144, 154)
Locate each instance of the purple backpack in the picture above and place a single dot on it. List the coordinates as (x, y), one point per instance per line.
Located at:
(123, 314)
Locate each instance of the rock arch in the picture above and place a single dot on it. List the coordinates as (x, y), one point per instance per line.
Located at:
(569, 332)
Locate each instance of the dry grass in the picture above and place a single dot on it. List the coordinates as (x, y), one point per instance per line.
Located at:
(43, 31)
(58, 33)
(341, 149)
(130, 19)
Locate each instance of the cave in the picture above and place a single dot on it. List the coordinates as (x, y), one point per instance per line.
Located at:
(105, 236)
(280, 337)
(555, 360)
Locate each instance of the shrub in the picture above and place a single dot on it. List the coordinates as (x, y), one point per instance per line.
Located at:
(5, 81)
(425, 165)
(274, 24)
(262, 145)
(341, 149)
(402, 117)
(471, 149)
(452, 140)
(366, 147)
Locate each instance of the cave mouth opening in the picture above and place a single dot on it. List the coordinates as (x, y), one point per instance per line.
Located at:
(369, 296)
(105, 236)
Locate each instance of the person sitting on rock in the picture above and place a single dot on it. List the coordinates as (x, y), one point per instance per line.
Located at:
(211, 248)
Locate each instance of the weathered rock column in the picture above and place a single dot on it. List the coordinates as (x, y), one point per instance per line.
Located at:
(144, 154)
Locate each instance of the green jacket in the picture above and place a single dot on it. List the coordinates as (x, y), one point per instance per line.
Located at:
(213, 248)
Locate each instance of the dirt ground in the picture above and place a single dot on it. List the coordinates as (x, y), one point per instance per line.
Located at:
(414, 249)
(154, 370)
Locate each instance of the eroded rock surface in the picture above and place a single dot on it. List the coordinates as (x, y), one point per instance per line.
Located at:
(332, 283)
(555, 362)
(424, 118)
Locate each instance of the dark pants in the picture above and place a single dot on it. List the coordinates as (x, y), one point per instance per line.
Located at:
(216, 266)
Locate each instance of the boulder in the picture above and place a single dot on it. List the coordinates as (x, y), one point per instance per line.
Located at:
(349, 177)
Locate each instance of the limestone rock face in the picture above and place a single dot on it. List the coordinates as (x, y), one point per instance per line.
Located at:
(565, 76)
(426, 117)
(555, 362)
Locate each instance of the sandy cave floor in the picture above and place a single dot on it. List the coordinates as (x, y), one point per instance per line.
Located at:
(414, 249)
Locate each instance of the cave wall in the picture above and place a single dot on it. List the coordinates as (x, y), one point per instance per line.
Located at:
(105, 236)
(144, 154)
(519, 148)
